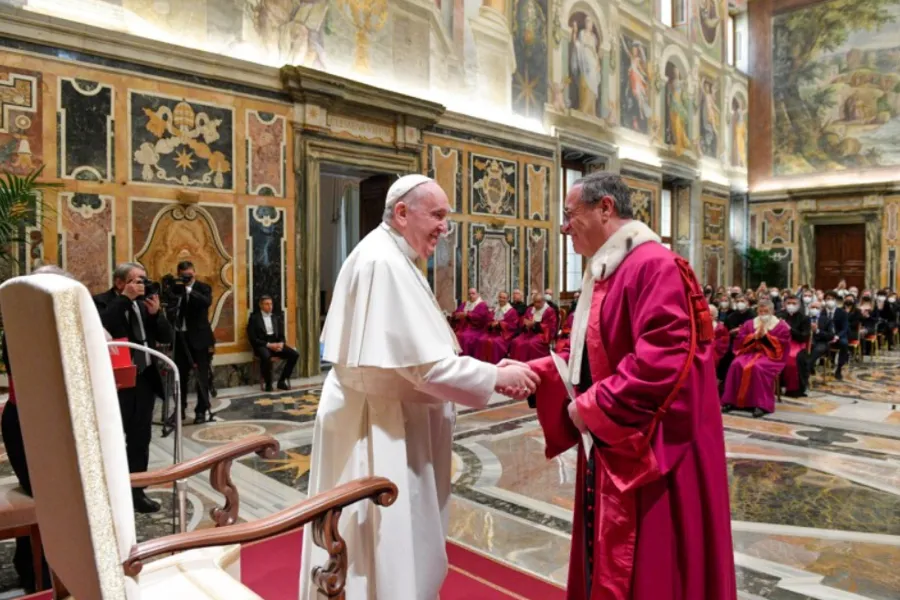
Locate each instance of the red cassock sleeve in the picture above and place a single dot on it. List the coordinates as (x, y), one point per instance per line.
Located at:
(619, 409)
(552, 402)
(480, 316)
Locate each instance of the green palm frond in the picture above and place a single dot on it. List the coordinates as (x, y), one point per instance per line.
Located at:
(21, 207)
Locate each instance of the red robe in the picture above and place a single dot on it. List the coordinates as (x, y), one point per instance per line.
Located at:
(493, 346)
(659, 527)
(723, 340)
(563, 339)
(530, 344)
(471, 325)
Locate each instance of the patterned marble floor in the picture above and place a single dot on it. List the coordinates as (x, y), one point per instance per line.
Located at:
(815, 487)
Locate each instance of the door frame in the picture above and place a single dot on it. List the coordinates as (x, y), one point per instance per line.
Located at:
(312, 153)
(872, 220)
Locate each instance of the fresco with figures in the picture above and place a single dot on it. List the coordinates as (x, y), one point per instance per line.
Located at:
(710, 117)
(836, 87)
(583, 56)
(678, 109)
(635, 83)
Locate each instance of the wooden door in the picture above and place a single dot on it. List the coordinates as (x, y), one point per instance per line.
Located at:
(840, 254)
(372, 193)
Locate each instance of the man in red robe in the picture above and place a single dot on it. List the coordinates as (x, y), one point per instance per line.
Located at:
(652, 519)
(539, 326)
(493, 346)
(722, 335)
(470, 321)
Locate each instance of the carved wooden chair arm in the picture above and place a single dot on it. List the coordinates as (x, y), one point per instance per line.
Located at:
(323, 508)
(218, 462)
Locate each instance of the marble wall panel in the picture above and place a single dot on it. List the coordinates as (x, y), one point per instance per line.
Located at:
(890, 241)
(493, 186)
(778, 226)
(266, 151)
(683, 214)
(715, 223)
(180, 142)
(85, 122)
(713, 264)
(203, 234)
(86, 238)
(642, 202)
(266, 267)
(493, 259)
(445, 167)
(21, 121)
(785, 258)
(537, 192)
(445, 269)
(537, 250)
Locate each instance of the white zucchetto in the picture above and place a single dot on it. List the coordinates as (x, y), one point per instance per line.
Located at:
(403, 186)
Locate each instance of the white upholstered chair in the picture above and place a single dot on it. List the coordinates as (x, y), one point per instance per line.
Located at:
(73, 437)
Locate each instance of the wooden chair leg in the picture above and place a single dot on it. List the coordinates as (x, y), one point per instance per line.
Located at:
(37, 557)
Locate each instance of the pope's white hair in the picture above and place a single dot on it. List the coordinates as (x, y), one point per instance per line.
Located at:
(410, 198)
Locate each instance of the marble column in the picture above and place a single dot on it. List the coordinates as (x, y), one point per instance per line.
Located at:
(873, 251)
(494, 52)
(696, 247)
(807, 252)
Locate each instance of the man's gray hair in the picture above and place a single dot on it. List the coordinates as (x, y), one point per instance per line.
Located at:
(602, 183)
(765, 303)
(123, 269)
(52, 270)
(410, 198)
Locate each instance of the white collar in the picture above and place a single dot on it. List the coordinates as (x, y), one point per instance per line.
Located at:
(769, 325)
(607, 259)
(503, 309)
(401, 242)
(538, 313)
(471, 305)
(603, 264)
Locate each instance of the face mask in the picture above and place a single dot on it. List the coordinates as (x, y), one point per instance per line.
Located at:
(774, 293)
(880, 298)
(814, 312)
(830, 303)
(854, 292)
(548, 297)
(807, 299)
(892, 299)
(723, 305)
(842, 293)
(742, 306)
(734, 295)
(792, 308)
(849, 304)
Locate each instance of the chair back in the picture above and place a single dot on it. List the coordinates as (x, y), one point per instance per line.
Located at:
(72, 429)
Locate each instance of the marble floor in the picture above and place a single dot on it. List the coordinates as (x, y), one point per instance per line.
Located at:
(815, 487)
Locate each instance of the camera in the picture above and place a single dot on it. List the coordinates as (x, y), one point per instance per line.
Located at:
(151, 288)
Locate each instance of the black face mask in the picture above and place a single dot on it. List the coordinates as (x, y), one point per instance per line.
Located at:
(734, 295)
(848, 304)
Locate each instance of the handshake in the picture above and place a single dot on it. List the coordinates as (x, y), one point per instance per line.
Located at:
(516, 380)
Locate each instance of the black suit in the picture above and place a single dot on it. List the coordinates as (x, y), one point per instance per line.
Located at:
(256, 333)
(520, 307)
(830, 327)
(733, 320)
(117, 313)
(193, 340)
(800, 331)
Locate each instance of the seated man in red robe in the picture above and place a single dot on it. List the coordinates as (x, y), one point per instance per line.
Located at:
(562, 340)
(760, 353)
(652, 517)
(539, 325)
(722, 336)
(470, 321)
(494, 344)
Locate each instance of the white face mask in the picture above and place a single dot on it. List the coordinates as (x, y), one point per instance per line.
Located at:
(807, 299)
(880, 298)
(814, 312)
(548, 297)
(774, 293)
(892, 299)
(723, 305)
(842, 293)
(742, 306)
(792, 308)
(830, 304)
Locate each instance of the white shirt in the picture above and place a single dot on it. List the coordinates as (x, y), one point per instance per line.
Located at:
(267, 321)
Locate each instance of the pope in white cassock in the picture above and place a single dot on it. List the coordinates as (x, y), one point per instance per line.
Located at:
(386, 407)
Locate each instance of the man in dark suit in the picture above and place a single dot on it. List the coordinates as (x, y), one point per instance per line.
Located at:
(832, 327)
(126, 312)
(188, 303)
(266, 334)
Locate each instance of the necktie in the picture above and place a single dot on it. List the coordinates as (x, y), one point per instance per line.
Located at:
(141, 360)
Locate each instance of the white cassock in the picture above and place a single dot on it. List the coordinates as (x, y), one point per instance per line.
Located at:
(386, 410)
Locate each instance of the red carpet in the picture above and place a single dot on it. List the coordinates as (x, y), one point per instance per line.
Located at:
(272, 570)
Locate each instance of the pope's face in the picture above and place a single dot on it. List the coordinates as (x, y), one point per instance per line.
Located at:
(426, 219)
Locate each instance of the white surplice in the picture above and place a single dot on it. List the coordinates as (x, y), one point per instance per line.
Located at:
(386, 410)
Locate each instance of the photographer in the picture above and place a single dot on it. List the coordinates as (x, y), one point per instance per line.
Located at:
(187, 305)
(126, 312)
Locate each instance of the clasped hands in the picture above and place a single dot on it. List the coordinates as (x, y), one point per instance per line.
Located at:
(516, 380)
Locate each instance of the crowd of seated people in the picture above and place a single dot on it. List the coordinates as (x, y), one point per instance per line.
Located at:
(511, 328)
(768, 340)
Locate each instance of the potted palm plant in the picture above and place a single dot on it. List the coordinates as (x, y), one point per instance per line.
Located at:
(21, 208)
